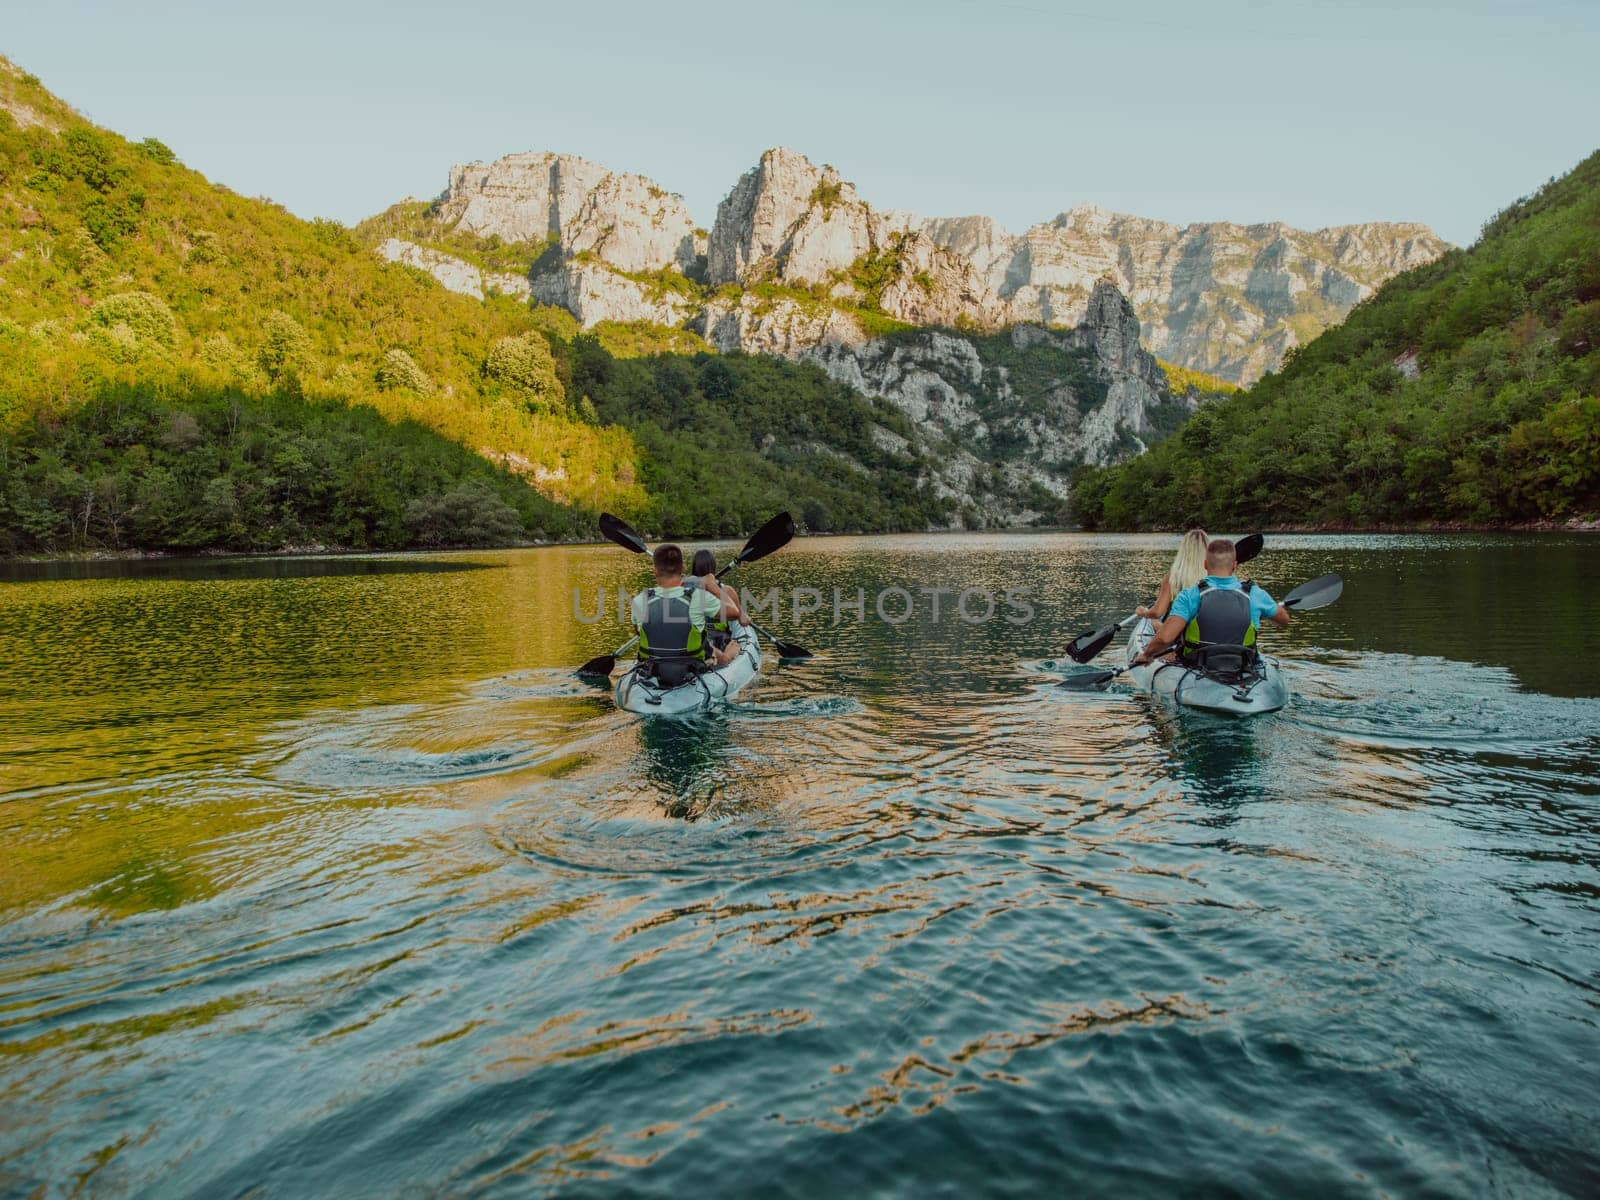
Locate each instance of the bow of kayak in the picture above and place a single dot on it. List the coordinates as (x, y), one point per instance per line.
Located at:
(637, 694)
(1266, 693)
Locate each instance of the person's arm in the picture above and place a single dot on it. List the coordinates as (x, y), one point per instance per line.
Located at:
(1163, 604)
(1271, 610)
(1166, 637)
(730, 600)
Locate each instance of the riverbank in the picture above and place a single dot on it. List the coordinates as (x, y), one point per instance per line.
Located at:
(1586, 525)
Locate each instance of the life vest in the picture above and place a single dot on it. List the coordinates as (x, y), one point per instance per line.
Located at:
(1223, 618)
(668, 639)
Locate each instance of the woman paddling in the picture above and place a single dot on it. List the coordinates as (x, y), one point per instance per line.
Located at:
(1188, 568)
(704, 569)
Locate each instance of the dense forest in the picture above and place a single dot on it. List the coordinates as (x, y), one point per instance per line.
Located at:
(183, 368)
(1463, 391)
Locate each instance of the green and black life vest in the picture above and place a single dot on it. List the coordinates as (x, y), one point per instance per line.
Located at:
(1223, 618)
(667, 632)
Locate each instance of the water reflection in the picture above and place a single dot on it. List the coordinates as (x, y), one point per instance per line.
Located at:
(308, 567)
(1217, 757)
(687, 759)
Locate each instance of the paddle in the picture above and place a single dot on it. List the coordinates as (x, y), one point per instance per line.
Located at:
(774, 535)
(604, 664)
(1087, 683)
(1087, 646)
(1318, 593)
(785, 649)
(619, 531)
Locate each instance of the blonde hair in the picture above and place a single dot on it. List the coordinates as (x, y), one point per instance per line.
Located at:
(1189, 564)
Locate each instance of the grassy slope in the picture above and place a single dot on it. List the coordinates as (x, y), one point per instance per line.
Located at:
(1502, 425)
(185, 368)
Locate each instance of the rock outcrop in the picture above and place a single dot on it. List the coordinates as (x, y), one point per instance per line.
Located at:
(1092, 393)
(455, 273)
(594, 292)
(792, 222)
(626, 221)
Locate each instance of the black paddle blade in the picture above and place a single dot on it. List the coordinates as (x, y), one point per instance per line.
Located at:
(790, 650)
(603, 664)
(617, 530)
(1319, 593)
(1248, 547)
(774, 535)
(1087, 646)
(1089, 682)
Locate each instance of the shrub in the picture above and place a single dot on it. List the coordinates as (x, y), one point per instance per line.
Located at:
(146, 317)
(398, 370)
(117, 342)
(524, 362)
(203, 247)
(221, 354)
(80, 251)
(286, 349)
(109, 219)
(468, 515)
(83, 154)
(156, 151)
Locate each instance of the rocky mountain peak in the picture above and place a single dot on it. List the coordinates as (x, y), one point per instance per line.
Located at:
(625, 220)
(1115, 326)
(789, 219)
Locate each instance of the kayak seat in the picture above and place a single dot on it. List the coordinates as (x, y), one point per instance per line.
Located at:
(671, 670)
(1230, 664)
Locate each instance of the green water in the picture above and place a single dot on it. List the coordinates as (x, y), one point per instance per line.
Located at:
(326, 877)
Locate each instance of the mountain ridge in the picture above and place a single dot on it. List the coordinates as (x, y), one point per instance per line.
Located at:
(1222, 297)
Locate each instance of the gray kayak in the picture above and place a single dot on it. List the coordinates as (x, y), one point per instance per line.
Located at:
(1264, 692)
(638, 694)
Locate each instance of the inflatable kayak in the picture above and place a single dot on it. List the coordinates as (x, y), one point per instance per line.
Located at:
(1259, 690)
(638, 694)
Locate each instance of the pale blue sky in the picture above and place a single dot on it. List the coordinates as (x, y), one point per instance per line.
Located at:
(1313, 113)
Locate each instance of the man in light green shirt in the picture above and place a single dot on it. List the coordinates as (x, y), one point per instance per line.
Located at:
(672, 622)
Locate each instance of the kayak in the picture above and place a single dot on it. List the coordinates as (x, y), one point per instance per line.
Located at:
(1263, 691)
(637, 694)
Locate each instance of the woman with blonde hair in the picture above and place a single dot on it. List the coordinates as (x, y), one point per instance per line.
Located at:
(1188, 568)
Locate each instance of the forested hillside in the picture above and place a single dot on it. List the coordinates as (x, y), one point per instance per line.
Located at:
(1463, 391)
(183, 368)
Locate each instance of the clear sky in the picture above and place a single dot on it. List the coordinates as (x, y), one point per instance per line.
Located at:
(1247, 110)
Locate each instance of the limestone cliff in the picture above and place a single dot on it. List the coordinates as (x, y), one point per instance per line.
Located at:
(1011, 414)
(624, 220)
(1224, 298)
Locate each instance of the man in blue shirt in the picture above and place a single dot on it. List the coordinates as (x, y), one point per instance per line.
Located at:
(1227, 622)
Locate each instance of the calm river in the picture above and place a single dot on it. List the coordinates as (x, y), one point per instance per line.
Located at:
(327, 878)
